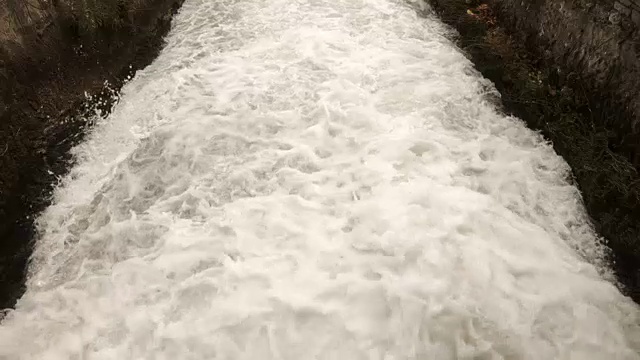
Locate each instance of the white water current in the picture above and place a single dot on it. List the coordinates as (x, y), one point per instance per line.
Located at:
(316, 179)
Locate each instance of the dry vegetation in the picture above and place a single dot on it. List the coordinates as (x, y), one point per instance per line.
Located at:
(556, 102)
(51, 53)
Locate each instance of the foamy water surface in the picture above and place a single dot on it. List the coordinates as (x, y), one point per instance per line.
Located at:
(316, 179)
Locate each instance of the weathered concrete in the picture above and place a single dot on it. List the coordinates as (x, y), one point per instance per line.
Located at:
(51, 53)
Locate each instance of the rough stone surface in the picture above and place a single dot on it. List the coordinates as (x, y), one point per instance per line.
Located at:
(51, 53)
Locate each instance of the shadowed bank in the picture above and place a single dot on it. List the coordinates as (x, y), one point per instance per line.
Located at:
(51, 54)
(570, 70)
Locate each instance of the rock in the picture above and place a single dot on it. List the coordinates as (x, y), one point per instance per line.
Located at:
(614, 18)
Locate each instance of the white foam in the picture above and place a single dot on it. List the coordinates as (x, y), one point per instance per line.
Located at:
(316, 179)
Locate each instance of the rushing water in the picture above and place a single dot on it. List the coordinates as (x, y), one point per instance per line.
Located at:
(316, 179)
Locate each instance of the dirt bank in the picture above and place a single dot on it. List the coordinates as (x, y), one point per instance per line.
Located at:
(597, 44)
(51, 53)
(569, 72)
